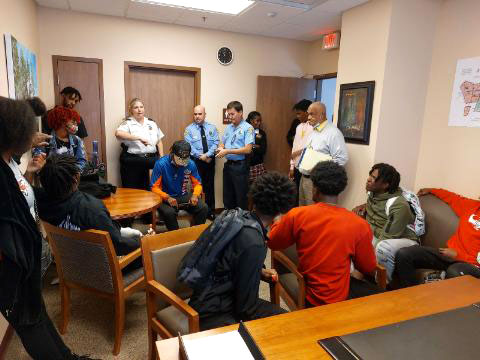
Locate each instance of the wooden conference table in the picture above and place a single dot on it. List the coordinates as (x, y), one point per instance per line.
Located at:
(294, 335)
(127, 203)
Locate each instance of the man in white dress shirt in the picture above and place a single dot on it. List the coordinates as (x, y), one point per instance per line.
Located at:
(325, 138)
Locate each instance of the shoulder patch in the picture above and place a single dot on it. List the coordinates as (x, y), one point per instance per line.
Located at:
(250, 130)
(186, 132)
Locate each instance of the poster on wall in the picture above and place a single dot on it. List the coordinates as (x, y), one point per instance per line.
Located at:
(21, 69)
(465, 105)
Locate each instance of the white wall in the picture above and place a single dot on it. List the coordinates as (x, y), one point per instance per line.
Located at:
(355, 64)
(449, 155)
(115, 40)
(19, 18)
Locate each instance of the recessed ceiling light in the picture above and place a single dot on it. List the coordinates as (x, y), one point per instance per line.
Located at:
(232, 7)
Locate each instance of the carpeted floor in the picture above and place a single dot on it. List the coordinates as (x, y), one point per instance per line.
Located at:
(90, 330)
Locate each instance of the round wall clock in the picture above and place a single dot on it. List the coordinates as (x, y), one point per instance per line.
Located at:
(224, 56)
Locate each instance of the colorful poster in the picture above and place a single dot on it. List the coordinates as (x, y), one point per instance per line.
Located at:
(21, 69)
(465, 105)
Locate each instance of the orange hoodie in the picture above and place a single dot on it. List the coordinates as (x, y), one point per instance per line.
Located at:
(466, 239)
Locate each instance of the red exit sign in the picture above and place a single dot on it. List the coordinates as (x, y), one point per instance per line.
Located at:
(331, 41)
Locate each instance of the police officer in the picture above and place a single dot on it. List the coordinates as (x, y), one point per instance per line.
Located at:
(238, 141)
(203, 138)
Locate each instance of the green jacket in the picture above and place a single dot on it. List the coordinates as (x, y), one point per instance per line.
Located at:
(400, 215)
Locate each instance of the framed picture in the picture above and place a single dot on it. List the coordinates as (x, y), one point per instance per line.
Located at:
(21, 69)
(355, 111)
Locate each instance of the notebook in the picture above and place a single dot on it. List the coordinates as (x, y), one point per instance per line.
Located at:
(448, 335)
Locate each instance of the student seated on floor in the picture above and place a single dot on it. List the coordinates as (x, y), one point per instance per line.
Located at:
(234, 294)
(394, 230)
(462, 254)
(61, 204)
(328, 239)
(170, 178)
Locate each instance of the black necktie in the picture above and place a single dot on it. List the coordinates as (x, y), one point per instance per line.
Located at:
(204, 139)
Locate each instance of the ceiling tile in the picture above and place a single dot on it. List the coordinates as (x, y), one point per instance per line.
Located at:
(316, 17)
(105, 7)
(258, 14)
(142, 11)
(58, 4)
(195, 18)
(339, 5)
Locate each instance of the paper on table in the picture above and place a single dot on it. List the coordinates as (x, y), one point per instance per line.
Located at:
(310, 158)
(229, 345)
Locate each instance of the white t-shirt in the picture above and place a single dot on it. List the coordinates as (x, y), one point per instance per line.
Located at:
(149, 131)
(24, 186)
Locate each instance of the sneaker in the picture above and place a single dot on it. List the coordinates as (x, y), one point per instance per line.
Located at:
(83, 357)
(434, 276)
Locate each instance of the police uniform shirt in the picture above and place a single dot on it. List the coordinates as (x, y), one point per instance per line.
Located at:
(194, 138)
(328, 139)
(148, 131)
(237, 138)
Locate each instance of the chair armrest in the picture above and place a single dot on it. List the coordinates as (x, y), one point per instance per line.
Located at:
(127, 259)
(381, 276)
(170, 297)
(285, 261)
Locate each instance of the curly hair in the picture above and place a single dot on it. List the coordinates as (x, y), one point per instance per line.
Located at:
(71, 91)
(58, 174)
(273, 194)
(18, 124)
(329, 178)
(387, 174)
(60, 115)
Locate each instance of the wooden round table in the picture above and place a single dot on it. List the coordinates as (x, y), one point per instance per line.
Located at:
(127, 203)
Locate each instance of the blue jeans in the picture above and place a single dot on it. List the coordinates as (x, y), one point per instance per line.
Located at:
(385, 251)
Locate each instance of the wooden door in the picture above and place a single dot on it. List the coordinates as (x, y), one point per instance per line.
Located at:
(169, 95)
(276, 97)
(85, 75)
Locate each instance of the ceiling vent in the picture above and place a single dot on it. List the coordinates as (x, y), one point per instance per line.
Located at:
(299, 4)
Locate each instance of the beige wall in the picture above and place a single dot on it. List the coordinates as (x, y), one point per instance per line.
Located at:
(369, 21)
(321, 61)
(116, 40)
(407, 71)
(19, 18)
(449, 156)
(399, 34)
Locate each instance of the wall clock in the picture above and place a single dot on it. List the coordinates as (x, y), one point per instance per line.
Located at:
(224, 56)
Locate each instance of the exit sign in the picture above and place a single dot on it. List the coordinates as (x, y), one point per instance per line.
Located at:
(331, 41)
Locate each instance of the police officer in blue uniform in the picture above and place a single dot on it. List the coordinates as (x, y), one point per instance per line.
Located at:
(203, 138)
(238, 141)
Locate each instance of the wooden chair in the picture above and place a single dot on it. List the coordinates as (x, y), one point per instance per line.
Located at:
(291, 283)
(167, 309)
(86, 260)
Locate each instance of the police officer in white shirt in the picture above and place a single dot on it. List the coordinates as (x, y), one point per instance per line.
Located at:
(142, 144)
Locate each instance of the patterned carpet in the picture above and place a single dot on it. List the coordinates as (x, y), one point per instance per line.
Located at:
(90, 330)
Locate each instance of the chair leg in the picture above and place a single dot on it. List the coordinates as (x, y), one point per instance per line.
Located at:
(119, 323)
(152, 338)
(65, 300)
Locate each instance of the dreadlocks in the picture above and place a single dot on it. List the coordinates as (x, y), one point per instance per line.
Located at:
(58, 176)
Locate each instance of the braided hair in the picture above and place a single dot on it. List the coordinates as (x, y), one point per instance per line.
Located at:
(387, 174)
(58, 176)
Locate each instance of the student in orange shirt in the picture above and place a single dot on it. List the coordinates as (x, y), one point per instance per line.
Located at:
(462, 254)
(328, 239)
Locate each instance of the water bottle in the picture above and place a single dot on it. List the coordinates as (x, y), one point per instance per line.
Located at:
(95, 153)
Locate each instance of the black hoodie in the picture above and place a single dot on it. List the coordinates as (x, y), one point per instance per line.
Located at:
(81, 211)
(20, 249)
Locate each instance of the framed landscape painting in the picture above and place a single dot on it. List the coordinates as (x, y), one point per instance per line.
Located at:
(355, 111)
(21, 69)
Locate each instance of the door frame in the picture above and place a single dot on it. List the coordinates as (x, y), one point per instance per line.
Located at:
(56, 89)
(130, 65)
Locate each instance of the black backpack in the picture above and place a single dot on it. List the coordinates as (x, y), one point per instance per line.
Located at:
(197, 267)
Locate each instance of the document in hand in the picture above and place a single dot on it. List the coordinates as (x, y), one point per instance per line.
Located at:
(232, 345)
(310, 158)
